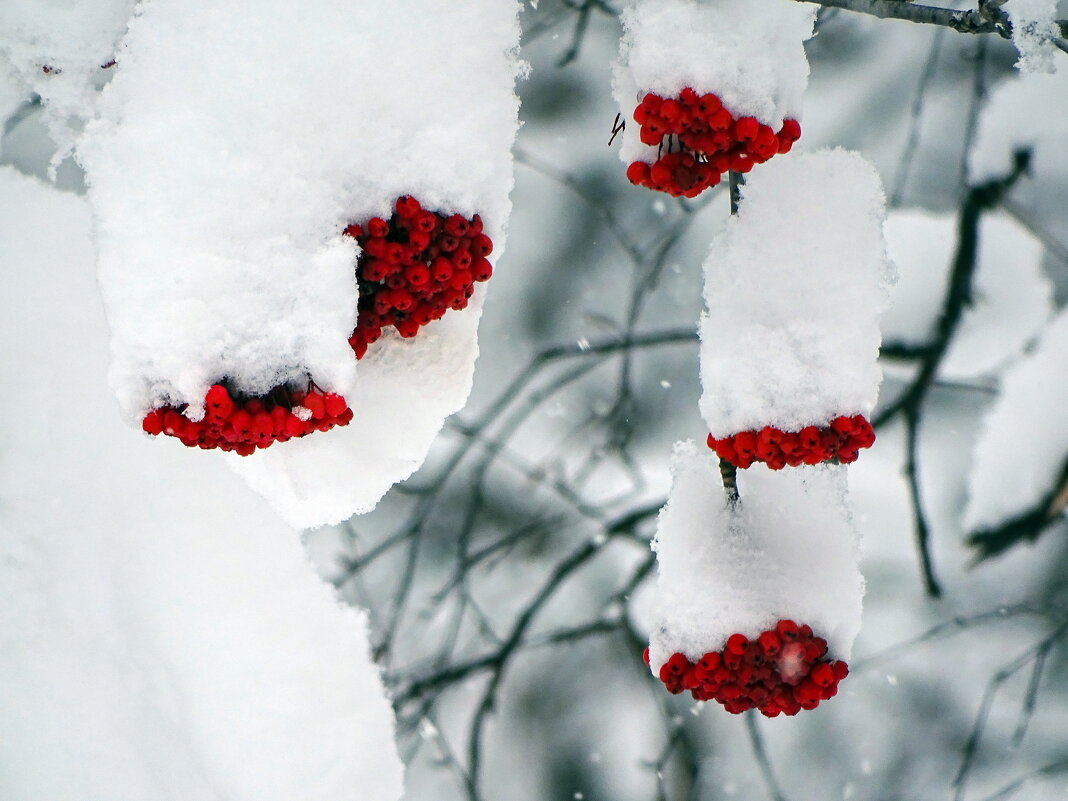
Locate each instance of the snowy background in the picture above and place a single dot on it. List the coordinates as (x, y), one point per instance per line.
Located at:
(165, 636)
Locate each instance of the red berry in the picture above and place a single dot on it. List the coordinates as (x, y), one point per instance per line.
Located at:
(736, 644)
(638, 173)
(377, 227)
(407, 207)
(334, 404)
(153, 422)
(314, 404)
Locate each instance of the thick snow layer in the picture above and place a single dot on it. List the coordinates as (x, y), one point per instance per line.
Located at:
(748, 52)
(1033, 28)
(57, 49)
(1025, 112)
(220, 202)
(793, 288)
(1011, 300)
(1022, 449)
(163, 634)
(788, 550)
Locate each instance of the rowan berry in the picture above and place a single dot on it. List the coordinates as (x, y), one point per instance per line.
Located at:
(413, 268)
(763, 673)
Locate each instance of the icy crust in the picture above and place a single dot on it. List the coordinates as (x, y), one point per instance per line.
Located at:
(163, 634)
(793, 289)
(788, 550)
(1038, 101)
(747, 52)
(1022, 449)
(57, 49)
(1011, 300)
(220, 205)
(1033, 29)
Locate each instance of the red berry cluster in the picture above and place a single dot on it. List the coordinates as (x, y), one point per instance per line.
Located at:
(703, 141)
(843, 440)
(784, 670)
(414, 268)
(251, 423)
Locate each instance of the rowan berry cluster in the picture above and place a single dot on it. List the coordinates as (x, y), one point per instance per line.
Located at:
(245, 424)
(703, 140)
(782, 671)
(415, 267)
(843, 440)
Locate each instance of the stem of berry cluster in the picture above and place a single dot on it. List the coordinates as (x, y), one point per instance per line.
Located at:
(728, 472)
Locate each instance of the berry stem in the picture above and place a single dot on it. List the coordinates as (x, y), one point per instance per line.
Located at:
(737, 181)
(727, 471)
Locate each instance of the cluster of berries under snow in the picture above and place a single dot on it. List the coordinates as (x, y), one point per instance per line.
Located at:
(718, 86)
(840, 441)
(734, 575)
(221, 248)
(414, 267)
(781, 671)
(244, 424)
(698, 139)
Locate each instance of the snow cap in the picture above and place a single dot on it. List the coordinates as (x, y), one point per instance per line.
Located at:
(793, 288)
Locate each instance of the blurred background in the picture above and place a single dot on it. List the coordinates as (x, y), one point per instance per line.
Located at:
(508, 580)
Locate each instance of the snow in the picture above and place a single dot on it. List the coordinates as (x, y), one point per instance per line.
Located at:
(791, 336)
(921, 245)
(747, 52)
(1033, 28)
(788, 550)
(1021, 452)
(164, 635)
(1012, 297)
(73, 39)
(219, 205)
(1036, 99)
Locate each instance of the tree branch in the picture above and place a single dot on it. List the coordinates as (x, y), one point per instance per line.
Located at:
(962, 21)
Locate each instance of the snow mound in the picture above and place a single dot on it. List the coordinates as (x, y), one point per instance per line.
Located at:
(1022, 449)
(748, 52)
(1038, 102)
(793, 288)
(164, 635)
(1033, 29)
(1012, 297)
(59, 49)
(787, 550)
(220, 204)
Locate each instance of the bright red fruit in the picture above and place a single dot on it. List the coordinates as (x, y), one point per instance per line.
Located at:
(243, 424)
(698, 140)
(413, 268)
(842, 440)
(780, 672)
